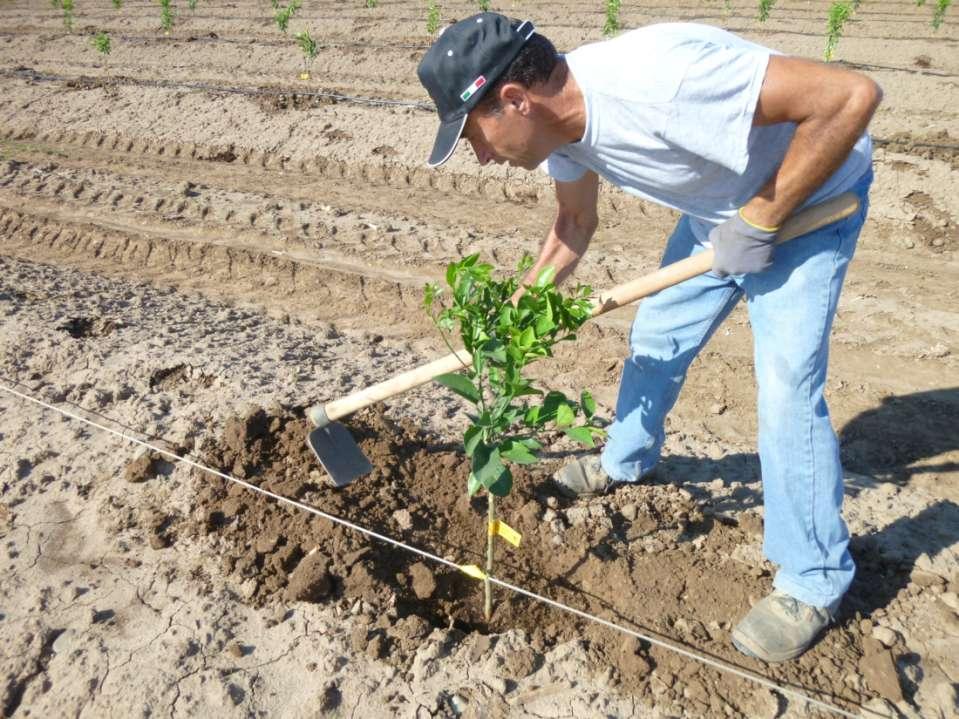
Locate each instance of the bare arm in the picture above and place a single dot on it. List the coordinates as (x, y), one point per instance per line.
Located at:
(573, 228)
(831, 107)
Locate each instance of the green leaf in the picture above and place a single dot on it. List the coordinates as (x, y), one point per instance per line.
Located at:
(502, 486)
(527, 338)
(583, 435)
(430, 292)
(545, 277)
(544, 325)
(564, 415)
(495, 350)
(471, 439)
(487, 465)
(533, 417)
(515, 452)
(588, 403)
(472, 485)
(461, 385)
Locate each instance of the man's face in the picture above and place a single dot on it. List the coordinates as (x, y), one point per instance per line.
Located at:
(507, 136)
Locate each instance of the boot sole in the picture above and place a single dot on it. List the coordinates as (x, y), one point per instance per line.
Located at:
(751, 649)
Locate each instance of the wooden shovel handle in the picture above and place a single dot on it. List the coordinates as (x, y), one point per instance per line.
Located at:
(799, 224)
(810, 219)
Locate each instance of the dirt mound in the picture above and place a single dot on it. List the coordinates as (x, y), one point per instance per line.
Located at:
(648, 557)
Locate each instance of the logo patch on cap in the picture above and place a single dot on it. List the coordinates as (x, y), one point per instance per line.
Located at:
(469, 92)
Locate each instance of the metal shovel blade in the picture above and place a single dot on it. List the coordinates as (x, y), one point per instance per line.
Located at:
(339, 453)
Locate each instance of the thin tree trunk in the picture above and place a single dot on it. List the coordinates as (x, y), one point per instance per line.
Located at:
(491, 517)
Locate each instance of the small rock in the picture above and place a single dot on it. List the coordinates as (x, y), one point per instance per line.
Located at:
(65, 643)
(248, 588)
(424, 583)
(717, 484)
(266, 544)
(376, 648)
(879, 671)
(717, 408)
(235, 650)
(629, 512)
(403, 519)
(498, 685)
(939, 350)
(549, 515)
(886, 636)
(951, 600)
(143, 466)
(459, 703)
(310, 581)
(552, 502)
(577, 515)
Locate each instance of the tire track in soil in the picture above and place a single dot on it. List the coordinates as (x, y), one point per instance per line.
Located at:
(336, 217)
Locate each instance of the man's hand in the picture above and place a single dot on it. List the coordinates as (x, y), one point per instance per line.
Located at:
(741, 247)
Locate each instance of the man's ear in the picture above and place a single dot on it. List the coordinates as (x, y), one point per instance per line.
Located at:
(514, 94)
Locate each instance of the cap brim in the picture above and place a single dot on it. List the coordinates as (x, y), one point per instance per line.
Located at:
(446, 138)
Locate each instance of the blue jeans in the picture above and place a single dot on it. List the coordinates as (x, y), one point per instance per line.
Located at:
(791, 308)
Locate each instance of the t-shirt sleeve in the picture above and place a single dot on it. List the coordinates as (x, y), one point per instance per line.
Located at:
(711, 114)
(562, 168)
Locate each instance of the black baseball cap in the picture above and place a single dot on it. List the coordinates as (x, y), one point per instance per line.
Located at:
(462, 64)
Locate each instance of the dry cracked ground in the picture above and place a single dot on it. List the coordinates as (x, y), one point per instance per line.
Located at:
(189, 234)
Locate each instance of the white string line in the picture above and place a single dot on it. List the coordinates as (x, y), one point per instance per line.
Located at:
(716, 664)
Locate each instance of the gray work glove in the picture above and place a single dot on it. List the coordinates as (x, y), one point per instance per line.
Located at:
(740, 247)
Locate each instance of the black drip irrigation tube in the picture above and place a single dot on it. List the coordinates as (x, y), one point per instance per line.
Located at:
(31, 75)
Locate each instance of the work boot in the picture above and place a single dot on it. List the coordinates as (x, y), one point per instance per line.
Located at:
(582, 477)
(779, 627)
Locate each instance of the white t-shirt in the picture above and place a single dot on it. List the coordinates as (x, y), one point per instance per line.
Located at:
(669, 111)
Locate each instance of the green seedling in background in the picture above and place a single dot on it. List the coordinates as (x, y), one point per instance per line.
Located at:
(371, 4)
(839, 13)
(192, 5)
(67, 7)
(939, 13)
(101, 41)
(611, 26)
(275, 4)
(432, 17)
(117, 4)
(509, 411)
(308, 46)
(764, 7)
(284, 15)
(166, 16)
(484, 5)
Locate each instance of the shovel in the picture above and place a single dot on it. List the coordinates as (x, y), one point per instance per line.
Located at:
(342, 457)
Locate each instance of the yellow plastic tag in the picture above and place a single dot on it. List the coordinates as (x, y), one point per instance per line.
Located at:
(473, 571)
(496, 527)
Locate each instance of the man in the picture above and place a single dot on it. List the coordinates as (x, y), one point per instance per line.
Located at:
(736, 137)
